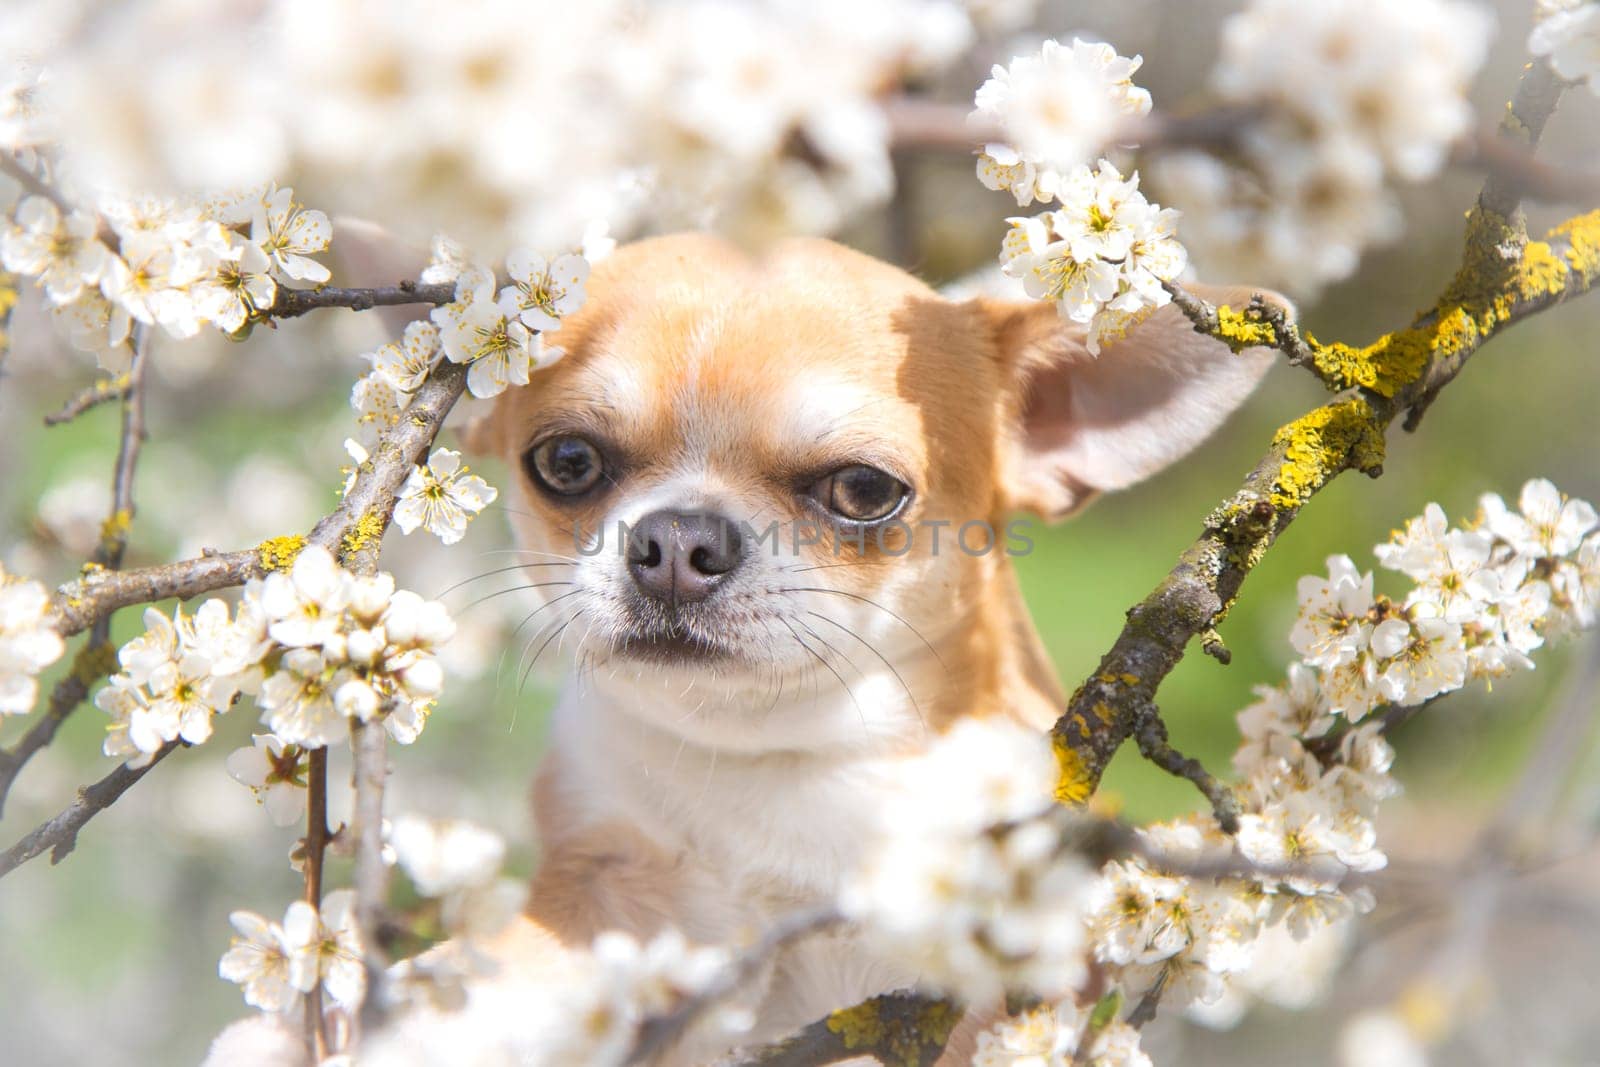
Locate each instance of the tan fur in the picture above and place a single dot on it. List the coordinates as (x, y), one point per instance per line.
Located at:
(719, 381)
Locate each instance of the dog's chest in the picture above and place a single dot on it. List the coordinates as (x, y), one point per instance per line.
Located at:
(779, 831)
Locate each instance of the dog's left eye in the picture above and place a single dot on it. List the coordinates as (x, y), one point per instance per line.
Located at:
(860, 493)
(566, 466)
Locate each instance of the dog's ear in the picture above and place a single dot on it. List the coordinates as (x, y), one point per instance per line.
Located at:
(1087, 424)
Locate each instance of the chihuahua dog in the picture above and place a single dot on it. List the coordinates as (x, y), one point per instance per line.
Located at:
(768, 503)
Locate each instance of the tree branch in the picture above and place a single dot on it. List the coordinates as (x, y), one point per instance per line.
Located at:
(291, 303)
(369, 769)
(904, 1029)
(316, 847)
(1151, 734)
(103, 391)
(60, 835)
(94, 660)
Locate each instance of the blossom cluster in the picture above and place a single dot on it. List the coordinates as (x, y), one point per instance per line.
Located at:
(1313, 762)
(1057, 111)
(1053, 1035)
(587, 1010)
(175, 263)
(974, 889)
(28, 644)
(316, 647)
(1102, 255)
(1568, 33)
(1347, 97)
(1485, 596)
(763, 117)
(275, 963)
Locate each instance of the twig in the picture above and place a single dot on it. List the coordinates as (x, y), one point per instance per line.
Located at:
(1146, 1009)
(916, 124)
(93, 661)
(85, 601)
(1537, 95)
(60, 835)
(1518, 171)
(31, 183)
(103, 391)
(1151, 735)
(1261, 324)
(660, 1032)
(316, 847)
(369, 769)
(294, 302)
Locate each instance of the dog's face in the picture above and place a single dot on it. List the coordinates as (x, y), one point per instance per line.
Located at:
(799, 472)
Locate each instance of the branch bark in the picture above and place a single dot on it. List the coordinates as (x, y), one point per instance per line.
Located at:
(291, 303)
(59, 835)
(94, 660)
(316, 847)
(904, 1029)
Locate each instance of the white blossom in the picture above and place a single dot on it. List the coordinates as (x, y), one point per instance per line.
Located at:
(546, 290)
(378, 404)
(288, 233)
(1058, 111)
(167, 689)
(325, 947)
(406, 363)
(630, 981)
(1050, 1036)
(262, 960)
(441, 497)
(971, 887)
(241, 286)
(1571, 40)
(64, 254)
(1102, 257)
(1333, 627)
(352, 648)
(27, 643)
(444, 855)
(1546, 524)
(304, 607)
(1356, 95)
(276, 773)
(487, 333)
(297, 699)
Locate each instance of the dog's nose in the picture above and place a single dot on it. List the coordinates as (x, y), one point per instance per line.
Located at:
(680, 557)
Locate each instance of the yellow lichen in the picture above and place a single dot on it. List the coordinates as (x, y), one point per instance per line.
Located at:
(1500, 271)
(1319, 445)
(858, 1027)
(1582, 236)
(8, 300)
(114, 530)
(1074, 781)
(93, 662)
(278, 553)
(894, 1038)
(367, 529)
(1241, 331)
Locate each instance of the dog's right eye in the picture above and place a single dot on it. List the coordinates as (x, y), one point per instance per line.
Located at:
(566, 466)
